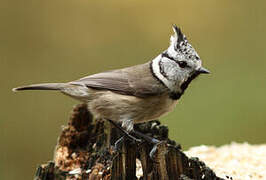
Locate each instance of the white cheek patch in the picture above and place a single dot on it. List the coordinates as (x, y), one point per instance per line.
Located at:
(156, 70)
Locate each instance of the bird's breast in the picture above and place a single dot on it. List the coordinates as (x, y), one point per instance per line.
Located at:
(118, 107)
(157, 107)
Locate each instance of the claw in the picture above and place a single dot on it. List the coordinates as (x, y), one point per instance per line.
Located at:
(118, 144)
(153, 151)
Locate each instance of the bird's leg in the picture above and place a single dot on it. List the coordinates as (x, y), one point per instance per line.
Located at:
(155, 142)
(146, 137)
(126, 133)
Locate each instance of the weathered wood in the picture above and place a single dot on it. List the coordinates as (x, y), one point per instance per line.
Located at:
(124, 162)
(146, 162)
(160, 166)
(85, 151)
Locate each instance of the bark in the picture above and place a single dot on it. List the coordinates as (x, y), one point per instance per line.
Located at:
(85, 151)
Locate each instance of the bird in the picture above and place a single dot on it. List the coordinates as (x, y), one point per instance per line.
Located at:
(139, 93)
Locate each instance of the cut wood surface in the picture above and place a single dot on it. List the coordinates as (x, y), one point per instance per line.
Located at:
(85, 151)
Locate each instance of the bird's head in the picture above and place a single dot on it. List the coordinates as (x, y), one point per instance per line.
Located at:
(180, 63)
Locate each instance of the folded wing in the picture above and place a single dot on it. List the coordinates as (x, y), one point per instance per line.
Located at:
(137, 80)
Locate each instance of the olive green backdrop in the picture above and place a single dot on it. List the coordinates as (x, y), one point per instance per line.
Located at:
(63, 40)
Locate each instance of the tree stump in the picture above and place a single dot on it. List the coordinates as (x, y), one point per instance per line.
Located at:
(85, 151)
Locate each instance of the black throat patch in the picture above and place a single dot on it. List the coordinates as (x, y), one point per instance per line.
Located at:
(184, 86)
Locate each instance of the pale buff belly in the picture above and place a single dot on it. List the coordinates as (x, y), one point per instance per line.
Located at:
(117, 107)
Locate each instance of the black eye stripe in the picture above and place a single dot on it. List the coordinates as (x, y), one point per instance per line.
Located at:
(181, 64)
(167, 56)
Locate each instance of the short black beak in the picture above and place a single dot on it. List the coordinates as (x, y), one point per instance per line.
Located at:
(202, 70)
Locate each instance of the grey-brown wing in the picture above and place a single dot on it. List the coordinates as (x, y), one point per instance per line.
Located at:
(137, 81)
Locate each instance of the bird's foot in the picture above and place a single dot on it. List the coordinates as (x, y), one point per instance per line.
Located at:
(155, 142)
(126, 133)
(154, 149)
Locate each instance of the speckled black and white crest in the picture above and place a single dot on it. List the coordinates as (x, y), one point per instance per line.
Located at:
(179, 46)
(177, 66)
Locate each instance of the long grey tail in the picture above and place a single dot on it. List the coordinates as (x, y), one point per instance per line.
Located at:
(45, 86)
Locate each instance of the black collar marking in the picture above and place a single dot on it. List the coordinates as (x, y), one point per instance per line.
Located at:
(184, 86)
(153, 74)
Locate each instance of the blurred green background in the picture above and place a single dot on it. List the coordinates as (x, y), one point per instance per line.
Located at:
(63, 40)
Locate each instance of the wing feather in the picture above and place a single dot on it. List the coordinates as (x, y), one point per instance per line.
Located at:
(137, 80)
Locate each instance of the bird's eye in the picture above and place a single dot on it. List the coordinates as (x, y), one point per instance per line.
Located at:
(182, 64)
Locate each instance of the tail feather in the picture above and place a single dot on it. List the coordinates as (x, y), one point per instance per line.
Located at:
(45, 86)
